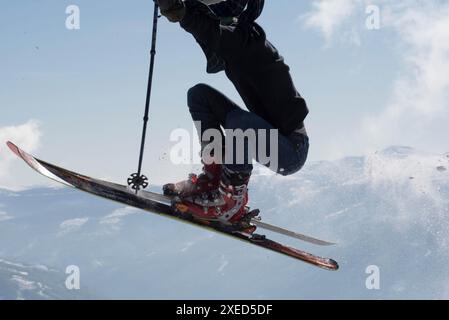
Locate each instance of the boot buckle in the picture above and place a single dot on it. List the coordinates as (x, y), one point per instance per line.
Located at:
(193, 178)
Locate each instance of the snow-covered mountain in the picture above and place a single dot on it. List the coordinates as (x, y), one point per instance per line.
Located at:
(36, 282)
(388, 209)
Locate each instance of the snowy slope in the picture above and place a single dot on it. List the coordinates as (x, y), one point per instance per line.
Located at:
(38, 282)
(388, 209)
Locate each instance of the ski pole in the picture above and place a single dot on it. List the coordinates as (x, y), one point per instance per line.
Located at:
(138, 181)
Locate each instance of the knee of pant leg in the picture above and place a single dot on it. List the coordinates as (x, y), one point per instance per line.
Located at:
(288, 172)
(295, 163)
(292, 168)
(197, 93)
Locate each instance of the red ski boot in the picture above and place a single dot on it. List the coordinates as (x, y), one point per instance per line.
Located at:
(196, 185)
(226, 205)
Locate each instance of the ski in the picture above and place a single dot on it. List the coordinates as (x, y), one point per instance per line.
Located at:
(255, 221)
(263, 225)
(146, 201)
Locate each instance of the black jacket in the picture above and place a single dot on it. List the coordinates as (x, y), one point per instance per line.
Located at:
(253, 65)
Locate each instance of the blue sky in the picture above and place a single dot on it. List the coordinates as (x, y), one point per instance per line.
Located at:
(76, 97)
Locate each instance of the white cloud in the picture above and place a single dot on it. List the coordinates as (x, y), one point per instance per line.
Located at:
(329, 16)
(26, 135)
(420, 94)
(418, 109)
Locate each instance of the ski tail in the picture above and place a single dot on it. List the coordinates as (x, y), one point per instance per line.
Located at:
(291, 234)
(324, 263)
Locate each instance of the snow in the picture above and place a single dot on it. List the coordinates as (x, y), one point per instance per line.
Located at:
(369, 205)
(23, 283)
(118, 215)
(72, 225)
(20, 281)
(4, 216)
(188, 246)
(12, 263)
(223, 264)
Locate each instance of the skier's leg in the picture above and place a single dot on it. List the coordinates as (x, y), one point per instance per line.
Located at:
(229, 204)
(219, 193)
(243, 133)
(209, 108)
(291, 153)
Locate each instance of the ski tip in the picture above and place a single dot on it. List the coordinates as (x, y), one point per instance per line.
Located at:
(13, 148)
(335, 266)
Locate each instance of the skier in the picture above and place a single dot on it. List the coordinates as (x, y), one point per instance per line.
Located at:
(233, 42)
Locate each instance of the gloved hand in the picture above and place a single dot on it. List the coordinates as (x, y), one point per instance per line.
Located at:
(173, 10)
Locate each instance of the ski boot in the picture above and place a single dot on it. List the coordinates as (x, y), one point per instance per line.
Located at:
(173, 10)
(226, 205)
(196, 185)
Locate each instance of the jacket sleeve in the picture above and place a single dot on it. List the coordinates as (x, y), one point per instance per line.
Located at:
(229, 8)
(206, 28)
